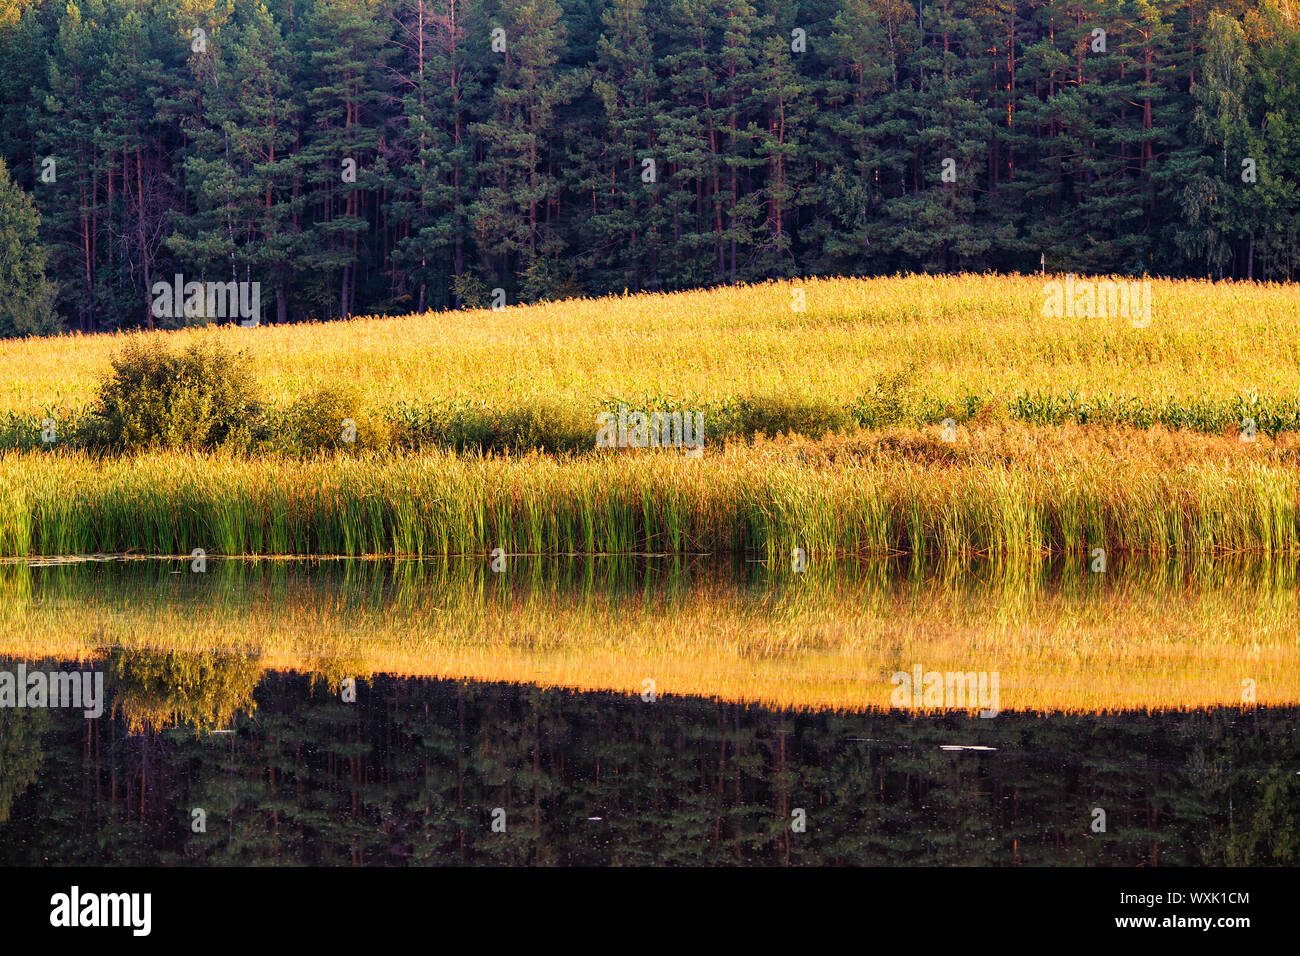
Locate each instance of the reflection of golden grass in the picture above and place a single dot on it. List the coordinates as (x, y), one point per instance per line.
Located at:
(1093, 643)
(986, 333)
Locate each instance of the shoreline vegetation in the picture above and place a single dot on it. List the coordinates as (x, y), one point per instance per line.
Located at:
(915, 414)
(1013, 492)
(552, 427)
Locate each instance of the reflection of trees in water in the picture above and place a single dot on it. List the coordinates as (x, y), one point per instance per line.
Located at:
(154, 690)
(326, 674)
(412, 772)
(20, 752)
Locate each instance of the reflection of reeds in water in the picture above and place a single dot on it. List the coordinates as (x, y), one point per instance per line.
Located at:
(1141, 636)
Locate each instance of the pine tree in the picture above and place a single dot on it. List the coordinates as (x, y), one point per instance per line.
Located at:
(442, 88)
(1217, 202)
(65, 120)
(869, 43)
(26, 297)
(26, 34)
(691, 138)
(1274, 34)
(744, 31)
(621, 236)
(243, 170)
(949, 145)
(516, 207)
(133, 148)
(348, 49)
(784, 102)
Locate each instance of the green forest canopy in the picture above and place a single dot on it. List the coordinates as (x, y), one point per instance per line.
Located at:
(590, 146)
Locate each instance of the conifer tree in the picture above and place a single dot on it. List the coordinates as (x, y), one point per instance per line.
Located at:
(26, 296)
(518, 203)
(348, 48)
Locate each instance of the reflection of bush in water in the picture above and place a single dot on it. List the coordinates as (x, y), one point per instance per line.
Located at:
(332, 671)
(20, 752)
(158, 689)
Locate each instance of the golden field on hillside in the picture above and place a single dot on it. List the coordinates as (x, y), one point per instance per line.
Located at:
(984, 334)
(1020, 481)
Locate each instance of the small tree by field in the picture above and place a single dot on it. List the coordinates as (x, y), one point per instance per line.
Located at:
(26, 296)
(201, 397)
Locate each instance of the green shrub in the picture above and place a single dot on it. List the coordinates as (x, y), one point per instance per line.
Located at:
(893, 401)
(774, 415)
(548, 425)
(200, 398)
(76, 430)
(334, 418)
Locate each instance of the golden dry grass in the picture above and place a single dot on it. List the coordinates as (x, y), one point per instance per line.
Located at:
(828, 639)
(979, 333)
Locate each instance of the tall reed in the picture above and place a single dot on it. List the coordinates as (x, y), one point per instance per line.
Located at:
(745, 500)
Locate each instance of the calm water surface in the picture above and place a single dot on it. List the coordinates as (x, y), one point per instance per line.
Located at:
(227, 694)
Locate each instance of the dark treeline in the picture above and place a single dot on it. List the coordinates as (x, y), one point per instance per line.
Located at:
(385, 156)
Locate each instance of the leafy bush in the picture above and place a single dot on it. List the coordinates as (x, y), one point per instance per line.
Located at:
(200, 398)
(76, 429)
(893, 401)
(547, 425)
(334, 418)
(774, 415)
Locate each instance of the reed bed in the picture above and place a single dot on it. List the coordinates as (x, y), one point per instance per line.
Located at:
(1191, 633)
(1017, 494)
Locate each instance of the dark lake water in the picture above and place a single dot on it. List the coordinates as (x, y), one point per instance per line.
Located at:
(413, 770)
(251, 732)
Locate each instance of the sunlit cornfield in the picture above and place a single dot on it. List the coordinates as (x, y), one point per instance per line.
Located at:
(914, 414)
(938, 339)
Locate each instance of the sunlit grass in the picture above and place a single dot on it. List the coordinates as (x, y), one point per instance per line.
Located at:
(1014, 492)
(966, 334)
(867, 353)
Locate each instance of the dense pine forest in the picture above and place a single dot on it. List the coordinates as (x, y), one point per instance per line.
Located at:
(388, 156)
